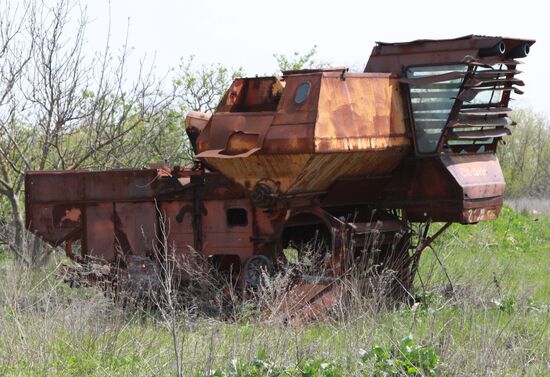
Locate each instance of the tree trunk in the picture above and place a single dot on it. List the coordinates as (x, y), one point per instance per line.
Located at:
(17, 245)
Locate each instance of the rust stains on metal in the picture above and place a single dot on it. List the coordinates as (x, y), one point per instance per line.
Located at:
(321, 170)
(319, 155)
(361, 116)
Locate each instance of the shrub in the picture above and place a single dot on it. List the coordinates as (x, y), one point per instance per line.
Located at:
(408, 359)
(262, 367)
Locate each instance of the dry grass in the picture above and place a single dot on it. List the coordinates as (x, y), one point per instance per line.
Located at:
(495, 323)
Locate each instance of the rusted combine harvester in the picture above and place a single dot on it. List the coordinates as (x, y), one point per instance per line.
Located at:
(320, 154)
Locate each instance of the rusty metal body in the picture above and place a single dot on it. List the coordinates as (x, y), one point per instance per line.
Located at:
(315, 154)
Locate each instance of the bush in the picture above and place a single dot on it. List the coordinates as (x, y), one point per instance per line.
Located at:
(525, 158)
(408, 359)
(261, 367)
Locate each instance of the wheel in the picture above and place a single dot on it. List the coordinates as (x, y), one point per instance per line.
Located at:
(255, 267)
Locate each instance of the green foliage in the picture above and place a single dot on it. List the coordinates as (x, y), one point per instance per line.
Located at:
(408, 359)
(200, 88)
(291, 254)
(525, 158)
(511, 233)
(47, 328)
(506, 304)
(298, 60)
(505, 252)
(318, 368)
(255, 368)
(261, 367)
(425, 300)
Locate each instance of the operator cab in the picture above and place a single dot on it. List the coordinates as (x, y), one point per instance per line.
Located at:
(458, 89)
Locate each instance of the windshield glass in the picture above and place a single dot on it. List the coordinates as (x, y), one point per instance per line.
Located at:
(432, 102)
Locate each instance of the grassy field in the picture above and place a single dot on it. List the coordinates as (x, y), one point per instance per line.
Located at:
(497, 322)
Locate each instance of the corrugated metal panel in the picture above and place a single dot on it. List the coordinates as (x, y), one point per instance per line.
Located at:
(323, 169)
(283, 168)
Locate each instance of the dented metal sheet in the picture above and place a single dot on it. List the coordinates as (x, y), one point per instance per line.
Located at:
(479, 176)
(482, 134)
(299, 299)
(364, 133)
(486, 111)
(322, 155)
(481, 122)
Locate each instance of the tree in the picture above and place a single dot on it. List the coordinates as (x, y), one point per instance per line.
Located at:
(60, 109)
(64, 108)
(14, 57)
(525, 158)
(299, 60)
(200, 89)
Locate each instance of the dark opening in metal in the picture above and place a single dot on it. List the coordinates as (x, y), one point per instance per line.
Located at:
(237, 217)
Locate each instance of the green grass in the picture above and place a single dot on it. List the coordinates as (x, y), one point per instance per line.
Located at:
(496, 324)
(515, 249)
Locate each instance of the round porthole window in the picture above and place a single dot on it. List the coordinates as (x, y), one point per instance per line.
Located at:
(302, 92)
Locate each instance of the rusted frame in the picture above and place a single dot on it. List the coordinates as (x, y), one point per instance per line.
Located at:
(503, 103)
(198, 208)
(405, 88)
(505, 99)
(408, 101)
(84, 237)
(506, 89)
(423, 244)
(457, 106)
(337, 229)
(453, 114)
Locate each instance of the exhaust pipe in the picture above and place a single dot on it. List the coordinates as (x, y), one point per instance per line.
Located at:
(498, 49)
(519, 51)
